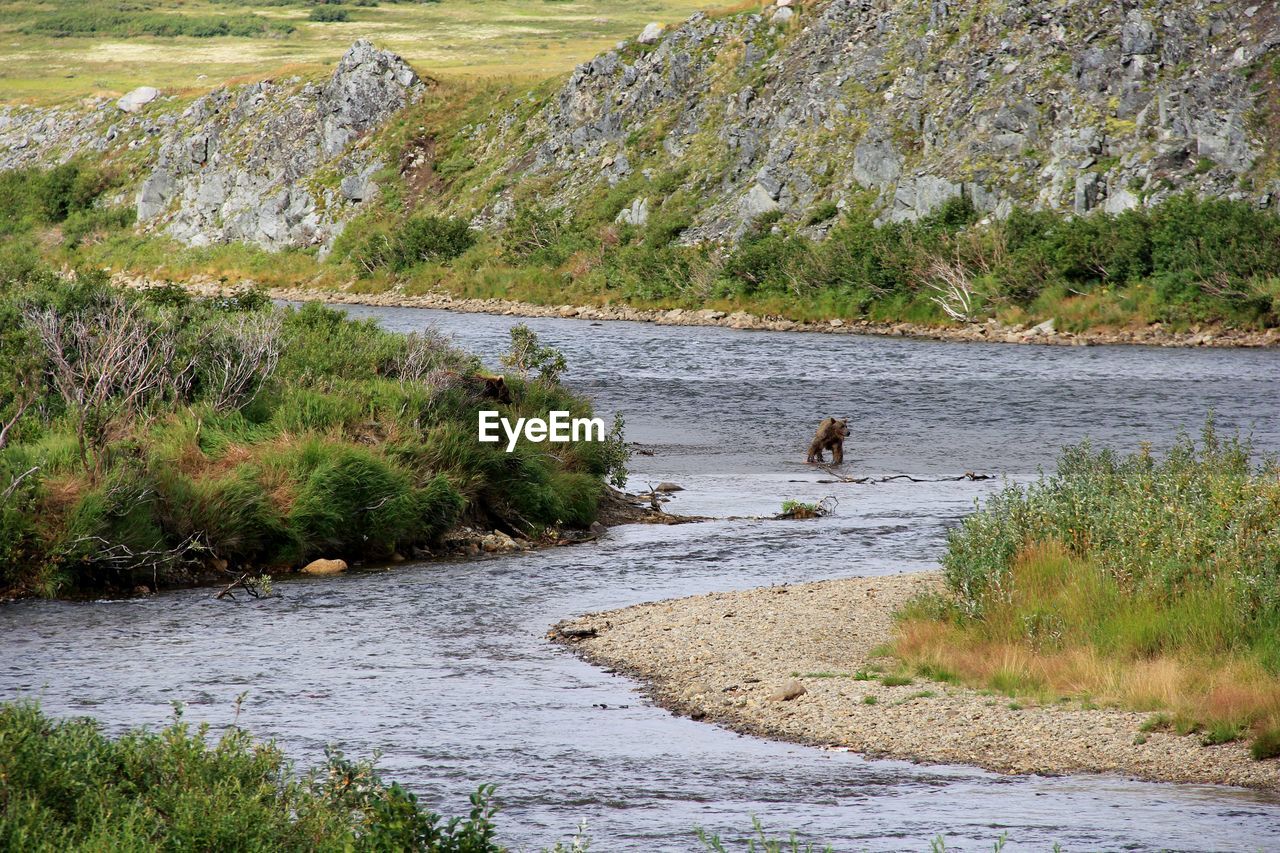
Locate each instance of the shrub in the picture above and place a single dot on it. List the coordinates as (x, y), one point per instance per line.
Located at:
(112, 535)
(19, 494)
(353, 502)
(69, 787)
(540, 235)
(431, 238)
(419, 239)
(529, 355)
(823, 212)
(323, 342)
(30, 197)
(125, 22)
(329, 14)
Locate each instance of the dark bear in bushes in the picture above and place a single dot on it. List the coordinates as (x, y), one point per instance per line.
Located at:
(494, 388)
(830, 436)
(480, 386)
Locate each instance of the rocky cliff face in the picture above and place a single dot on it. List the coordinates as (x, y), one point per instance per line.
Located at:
(274, 163)
(1071, 105)
(1068, 105)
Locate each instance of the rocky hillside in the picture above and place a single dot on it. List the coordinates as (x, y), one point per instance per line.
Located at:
(276, 163)
(1069, 105)
(803, 109)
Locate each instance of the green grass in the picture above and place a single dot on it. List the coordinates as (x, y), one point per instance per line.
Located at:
(1142, 582)
(70, 49)
(66, 786)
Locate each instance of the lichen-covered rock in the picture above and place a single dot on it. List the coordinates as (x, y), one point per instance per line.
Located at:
(275, 163)
(1092, 105)
(247, 172)
(650, 34)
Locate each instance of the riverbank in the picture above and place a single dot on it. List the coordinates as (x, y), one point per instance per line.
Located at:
(989, 332)
(732, 658)
(188, 442)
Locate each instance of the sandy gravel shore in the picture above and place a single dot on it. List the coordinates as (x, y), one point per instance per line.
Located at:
(731, 658)
(988, 332)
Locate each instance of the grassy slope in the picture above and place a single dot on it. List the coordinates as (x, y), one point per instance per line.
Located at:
(529, 39)
(1142, 582)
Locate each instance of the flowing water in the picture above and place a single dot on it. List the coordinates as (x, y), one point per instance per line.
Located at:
(444, 667)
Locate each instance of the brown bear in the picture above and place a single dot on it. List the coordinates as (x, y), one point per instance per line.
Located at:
(495, 388)
(478, 386)
(830, 436)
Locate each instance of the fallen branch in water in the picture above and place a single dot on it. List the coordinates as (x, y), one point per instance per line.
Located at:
(259, 587)
(840, 478)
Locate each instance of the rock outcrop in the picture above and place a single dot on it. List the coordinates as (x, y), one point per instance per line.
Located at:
(248, 165)
(275, 163)
(1071, 106)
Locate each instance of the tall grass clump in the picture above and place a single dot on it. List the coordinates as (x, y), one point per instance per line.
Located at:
(1153, 582)
(64, 785)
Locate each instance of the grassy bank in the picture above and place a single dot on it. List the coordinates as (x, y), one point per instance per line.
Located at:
(1184, 264)
(150, 439)
(1148, 583)
(65, 786)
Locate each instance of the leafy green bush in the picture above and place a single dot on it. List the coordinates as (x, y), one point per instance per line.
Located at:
(419, 239)
(431, 238)
(824, 211)
(31, 197)
(354, 502)
(528, 355)
(322, 342)
(539, 235)
(66, 786)
(329, 14)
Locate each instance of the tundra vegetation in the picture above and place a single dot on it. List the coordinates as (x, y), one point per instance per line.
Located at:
(146, 437)
(1149, 583)
(75, 47)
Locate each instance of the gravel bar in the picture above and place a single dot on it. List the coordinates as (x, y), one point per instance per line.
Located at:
(781, 661)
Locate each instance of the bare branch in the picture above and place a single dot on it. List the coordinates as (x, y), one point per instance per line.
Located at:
(17, 481)
(108, 361)
(240, 357)
(952, 289)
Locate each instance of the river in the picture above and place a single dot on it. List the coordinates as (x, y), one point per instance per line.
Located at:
(445, 669)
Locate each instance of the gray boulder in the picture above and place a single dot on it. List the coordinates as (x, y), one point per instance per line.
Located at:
(137, 99)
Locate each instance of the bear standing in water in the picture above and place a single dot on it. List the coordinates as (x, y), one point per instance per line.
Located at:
(830, 436)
